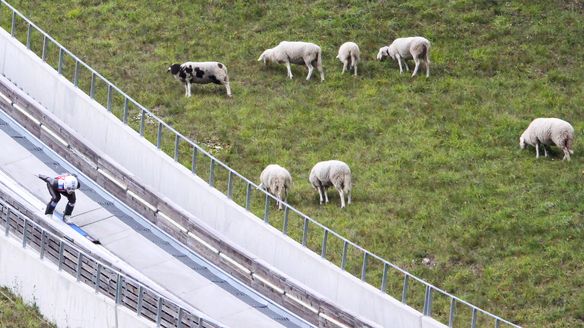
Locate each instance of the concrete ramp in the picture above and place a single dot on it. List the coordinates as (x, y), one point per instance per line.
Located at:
(131, 245)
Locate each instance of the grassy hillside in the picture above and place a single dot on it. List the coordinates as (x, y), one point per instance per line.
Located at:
(437, 168)
(14, 313)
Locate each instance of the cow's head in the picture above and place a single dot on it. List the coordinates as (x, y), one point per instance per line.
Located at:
(174, 69)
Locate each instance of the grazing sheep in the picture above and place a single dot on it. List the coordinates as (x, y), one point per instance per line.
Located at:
(331, 173)
(276, 180)
(349, 55)
(300, 53)
(200, 73)
(549, 131)
(401, 49)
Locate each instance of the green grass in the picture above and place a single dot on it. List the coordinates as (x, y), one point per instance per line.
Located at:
(437, 168)
(14, 313)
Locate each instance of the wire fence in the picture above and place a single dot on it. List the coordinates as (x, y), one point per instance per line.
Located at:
(371, 268)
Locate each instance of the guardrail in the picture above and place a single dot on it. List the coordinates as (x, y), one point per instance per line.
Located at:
(112, 283)
(371, 268)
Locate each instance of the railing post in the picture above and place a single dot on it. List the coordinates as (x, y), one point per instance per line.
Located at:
(364, 267)
(452, 311)
(76, 74)
(497, 323)
(118, 288)
(176, 144)
(384, 277)
(212, 173)
(267, 208)
(92, 86)
(305, 231)
(109, 97)
(159, 135)
(125, 114)
(247, 195)
(13, 24)
(61, 250)
(140, 297)
(230, 185)
(405, 289)
(194, 160)
(24, 233)
(60, 64)
(285, 224)
(43, 241)
(179, 319)
(79, 266)
(344, 258)
(45, 48)
(7, 223)
(159, 311)
(474, 318)
(97, 277)
(28, 36)
(428, 301)
(142, 120)
(324, 241)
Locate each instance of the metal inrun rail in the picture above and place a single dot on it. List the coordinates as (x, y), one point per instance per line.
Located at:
(124, 107)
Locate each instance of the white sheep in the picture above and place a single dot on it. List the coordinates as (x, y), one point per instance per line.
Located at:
(401, 49)
(349, 55)
(201, 73)
(332, 173)
(300, 53)
(277, 181)
(548, 131)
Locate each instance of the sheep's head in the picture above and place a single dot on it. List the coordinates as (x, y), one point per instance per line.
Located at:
(383, 53)
(174, 69)
(265, 56)
(522, 142)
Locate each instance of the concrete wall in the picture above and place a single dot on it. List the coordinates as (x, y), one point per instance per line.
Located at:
(161, 174)
(59, 297)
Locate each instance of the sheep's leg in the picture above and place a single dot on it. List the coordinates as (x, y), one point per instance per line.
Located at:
(344, 67)
(289, 69)
(319, 194)
(326, 200)
(566, 153)
(400, 64)
(280, 201)
(544, 150)
(406, 65)
(342, 195)
(417, 61)
(355, 68)
(228, 88)
(537, 150)
(189, 89)
(310, 69)
(349, 197)
(186, 90)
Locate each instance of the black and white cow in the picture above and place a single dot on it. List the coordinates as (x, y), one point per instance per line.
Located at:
(201, 73)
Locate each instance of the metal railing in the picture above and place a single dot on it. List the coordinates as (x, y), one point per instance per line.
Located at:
(413, 291)
(87, 269)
